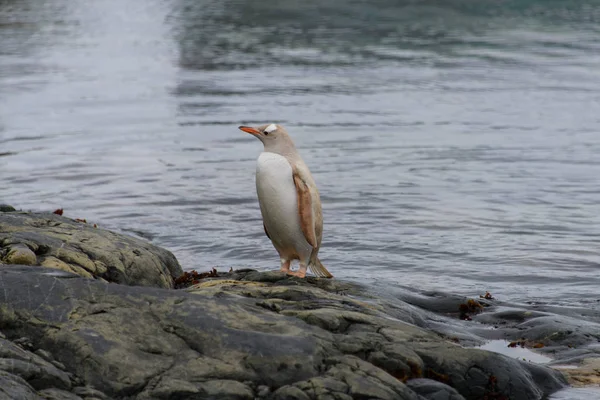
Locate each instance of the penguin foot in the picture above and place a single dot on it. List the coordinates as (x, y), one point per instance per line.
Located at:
(285, 266)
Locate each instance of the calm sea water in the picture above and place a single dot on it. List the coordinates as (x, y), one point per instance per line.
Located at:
(456, 144)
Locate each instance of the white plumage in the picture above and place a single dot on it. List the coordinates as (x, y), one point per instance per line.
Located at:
(279, 206)
(271, 128)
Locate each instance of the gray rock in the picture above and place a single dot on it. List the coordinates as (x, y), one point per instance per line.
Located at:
(225, 389)
(89, 393)
(290, 393)
(57, 242)
(45, 355)
(38, 373)
(241, 336)
(263, 391)
(564, 337)
(475, 374)
(14, 387)
(57, 394)
(365, 381)
(6, 208)
(433, 390)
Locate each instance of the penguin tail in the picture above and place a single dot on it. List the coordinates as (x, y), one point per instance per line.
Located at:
(319, 269)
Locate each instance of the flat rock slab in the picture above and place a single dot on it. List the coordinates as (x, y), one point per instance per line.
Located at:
(57, 242)
(244, 335)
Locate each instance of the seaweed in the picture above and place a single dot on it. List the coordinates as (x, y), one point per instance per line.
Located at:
(193, 277)
(525, 343)
(470, 307)
(487, 296)
(492, 392)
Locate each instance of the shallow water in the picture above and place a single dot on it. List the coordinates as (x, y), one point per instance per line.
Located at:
(518, 352)
(455, 144)
(590, 393)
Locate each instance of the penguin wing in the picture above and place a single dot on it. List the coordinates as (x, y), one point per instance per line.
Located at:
(305, 209)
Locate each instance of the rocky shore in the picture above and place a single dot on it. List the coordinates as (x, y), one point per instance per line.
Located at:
(90, 314)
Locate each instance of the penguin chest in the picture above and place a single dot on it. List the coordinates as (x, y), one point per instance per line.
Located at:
(279, 205)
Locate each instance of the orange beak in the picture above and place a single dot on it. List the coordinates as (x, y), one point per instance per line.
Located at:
(250, 130)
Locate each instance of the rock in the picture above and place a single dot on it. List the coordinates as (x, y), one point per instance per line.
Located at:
(15, 387)
(53, 262)
(89, 393)
(225, 389)
(262, 391)
(585, 374)
(44, 354)
(563, 335)
(364, 380)
(475, 375)
(57, 394)
(242, 335)
(433, 390)
(290, 393)
(6, 208)
(19, 254)
(39, 373)
(57, 242)
(568, 338)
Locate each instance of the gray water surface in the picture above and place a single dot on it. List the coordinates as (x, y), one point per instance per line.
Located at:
(455, 143)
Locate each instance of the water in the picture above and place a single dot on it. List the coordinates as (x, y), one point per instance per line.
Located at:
(589, 393)
(455, 143)
(518, 352)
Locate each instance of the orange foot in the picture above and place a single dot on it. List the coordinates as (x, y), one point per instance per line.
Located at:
(285, 266)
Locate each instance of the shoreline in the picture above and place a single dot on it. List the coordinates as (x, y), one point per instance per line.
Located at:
(336, 338)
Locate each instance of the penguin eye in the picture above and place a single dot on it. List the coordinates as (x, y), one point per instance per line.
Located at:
(266, 133)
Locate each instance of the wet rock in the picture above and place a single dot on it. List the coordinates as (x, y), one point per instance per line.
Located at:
(563, 337)
(6, 208)
(433, 390)
(53, 241)
(451, 305)
(476, 375)
(552, 330)
(242, 335)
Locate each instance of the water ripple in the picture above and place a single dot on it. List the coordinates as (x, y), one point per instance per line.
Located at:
(454, 143)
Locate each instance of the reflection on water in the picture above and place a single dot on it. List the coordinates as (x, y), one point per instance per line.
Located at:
(521, 353)
(454, 143)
